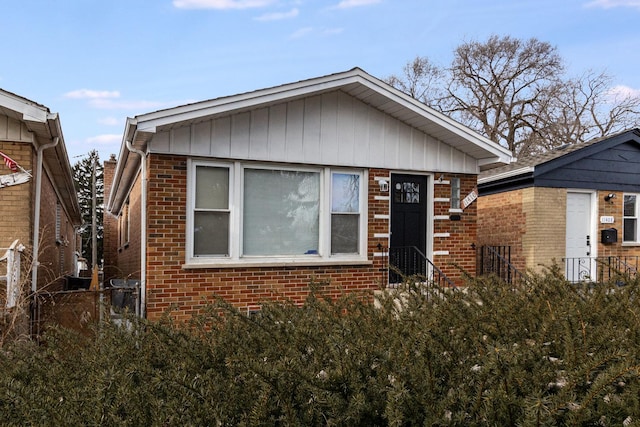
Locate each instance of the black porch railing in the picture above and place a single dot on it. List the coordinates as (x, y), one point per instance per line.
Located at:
(497, 260)
(409, 261)
(601, 269)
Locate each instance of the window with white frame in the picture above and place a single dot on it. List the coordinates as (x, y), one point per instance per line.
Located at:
(630, 219)
(281, 210)
(455, 193)
(250, 212)
(211, 213)
(345, 212)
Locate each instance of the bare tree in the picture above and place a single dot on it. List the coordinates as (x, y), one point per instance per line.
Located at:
(421, 79)
(588, 107)
(515, 92)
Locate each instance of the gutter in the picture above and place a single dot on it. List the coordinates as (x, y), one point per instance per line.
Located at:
(143, 228)
(36, 213)
(504, 175)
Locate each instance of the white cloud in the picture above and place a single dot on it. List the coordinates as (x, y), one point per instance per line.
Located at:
(623, 92)
(345, 4)
(608, 4)
(110, 100)
(108, 104)
(278, 15)
(302, 32)
(105, 139)
(332, 31)
(92, 94)
(221, 4)
(110, 121)
(306, 31)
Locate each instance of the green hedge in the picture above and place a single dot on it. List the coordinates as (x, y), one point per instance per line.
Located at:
(552, 353)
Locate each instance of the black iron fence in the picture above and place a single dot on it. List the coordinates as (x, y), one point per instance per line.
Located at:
(496, 260)
(601, 269)
(409, 262)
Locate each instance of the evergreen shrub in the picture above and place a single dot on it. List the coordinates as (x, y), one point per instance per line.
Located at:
(545, 353)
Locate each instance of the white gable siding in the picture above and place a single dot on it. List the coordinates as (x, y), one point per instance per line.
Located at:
(328, 129)
(14, 130)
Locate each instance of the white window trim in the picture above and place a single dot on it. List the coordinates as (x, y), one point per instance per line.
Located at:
(635, 242)
(363, 212)
(236, 188)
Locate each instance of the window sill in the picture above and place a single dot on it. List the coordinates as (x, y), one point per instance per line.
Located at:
(279, 262)
(630, 244)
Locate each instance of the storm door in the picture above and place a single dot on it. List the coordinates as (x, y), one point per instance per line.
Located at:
(408, 226)
(579, 256)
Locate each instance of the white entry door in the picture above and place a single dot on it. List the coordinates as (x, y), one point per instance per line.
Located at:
(579, 257)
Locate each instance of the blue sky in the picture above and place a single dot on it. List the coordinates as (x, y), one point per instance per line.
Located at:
(96, 62)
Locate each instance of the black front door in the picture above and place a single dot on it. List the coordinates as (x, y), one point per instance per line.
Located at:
(408, 223)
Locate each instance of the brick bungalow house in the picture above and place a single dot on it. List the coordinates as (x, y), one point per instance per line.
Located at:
(253, 196)
(39, 203)
(577, 205)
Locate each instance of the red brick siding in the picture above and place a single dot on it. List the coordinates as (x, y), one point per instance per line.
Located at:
(185, 291)
(614, 208)
(16, 209)
(502, 222)
(128, 257)
(110, 222)
(56, 255)
(462, 234)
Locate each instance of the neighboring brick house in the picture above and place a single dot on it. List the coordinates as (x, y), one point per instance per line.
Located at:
(42, 210)
(567, 206)
(254, 196)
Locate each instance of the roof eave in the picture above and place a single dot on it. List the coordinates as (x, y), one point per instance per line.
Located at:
(481, 147)
(504, 175)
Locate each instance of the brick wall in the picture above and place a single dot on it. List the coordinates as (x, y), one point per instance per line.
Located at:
(110, 222)
(531, 221)
(502, 222)
(16, 208)
(186, 291)
(128, 253)
(545, 238)
(614, 208)
(56, 256)
(454, 243)
(57, 246)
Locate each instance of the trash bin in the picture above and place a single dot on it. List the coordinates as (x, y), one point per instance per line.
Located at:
(124, 295)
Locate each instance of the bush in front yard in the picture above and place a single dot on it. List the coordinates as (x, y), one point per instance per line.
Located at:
(550, 353)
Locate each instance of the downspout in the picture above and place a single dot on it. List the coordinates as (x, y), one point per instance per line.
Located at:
(143, 227)
(36, 214)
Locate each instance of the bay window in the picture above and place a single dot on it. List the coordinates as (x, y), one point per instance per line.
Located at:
(630, 219)
(244, 212)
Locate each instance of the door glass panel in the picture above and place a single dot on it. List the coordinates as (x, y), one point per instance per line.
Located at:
(406, 192)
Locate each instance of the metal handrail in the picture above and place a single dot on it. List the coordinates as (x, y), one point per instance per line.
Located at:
(600, 269)
(408, 261)
(500, 265)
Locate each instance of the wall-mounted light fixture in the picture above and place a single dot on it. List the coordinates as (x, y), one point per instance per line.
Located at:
(441, 178)
(609, 196)
(384, 185)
